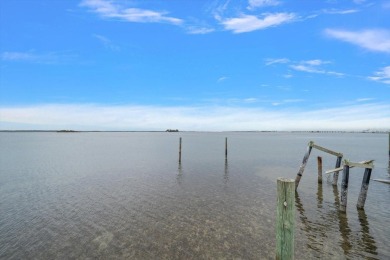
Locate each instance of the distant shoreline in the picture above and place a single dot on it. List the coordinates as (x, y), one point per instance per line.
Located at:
(164, 131)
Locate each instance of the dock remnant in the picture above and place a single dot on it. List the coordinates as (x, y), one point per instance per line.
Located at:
(344, 184)
(311, 145)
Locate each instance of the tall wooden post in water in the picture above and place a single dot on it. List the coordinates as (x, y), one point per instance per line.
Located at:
(285, 219)
(364, 189)
(303, 165)
(336, 174)
(319, 166)
(180, 150)
(344, 188)
(226, 148)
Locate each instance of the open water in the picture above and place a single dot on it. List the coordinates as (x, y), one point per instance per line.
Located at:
(125, 196)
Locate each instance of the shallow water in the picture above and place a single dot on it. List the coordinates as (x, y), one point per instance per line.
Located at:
(124, 195)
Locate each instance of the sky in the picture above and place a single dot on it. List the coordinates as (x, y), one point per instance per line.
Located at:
(238, 65)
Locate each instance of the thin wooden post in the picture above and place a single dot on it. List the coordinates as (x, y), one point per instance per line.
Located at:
(285, 219)
(364, 188)
(336, 174)
(180, 151)
(303, 165)
(319, 166)
(344, 188)
(226, 148)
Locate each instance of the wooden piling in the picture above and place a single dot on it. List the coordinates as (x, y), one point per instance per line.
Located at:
(226, 148)
(336, 174)
(319, 166)
(364, 188)
(285, 219)
(180, 151)
(303, 165)
(344, 188)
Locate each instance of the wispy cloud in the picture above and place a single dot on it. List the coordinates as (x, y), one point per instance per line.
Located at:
(314, 68)
(34, 57)
(107, 43)
(248, 23)
(373, 40)
(309, 66)
(199, 30)
(253, 4)
(276, 61)
(223, 78)
(383, 75)
(212, 118)
(339, 11)
(108, 9)
(364, 99)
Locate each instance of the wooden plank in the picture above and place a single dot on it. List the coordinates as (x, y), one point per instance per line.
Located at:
(326, 150)
(285, 219)
(382, 180)
(369, 165)
(341, 168)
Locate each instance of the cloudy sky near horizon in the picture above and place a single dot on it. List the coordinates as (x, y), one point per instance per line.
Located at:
(195, 65)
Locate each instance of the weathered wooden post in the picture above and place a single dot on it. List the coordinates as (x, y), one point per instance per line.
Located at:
(336, 174)
(344, 187)
(364, 188)
(285, 219)
(319, 166)
(180, 151)
(303, 165)
(226, 148)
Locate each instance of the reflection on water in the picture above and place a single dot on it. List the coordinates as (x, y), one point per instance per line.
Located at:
(321, 226)
(226, 172)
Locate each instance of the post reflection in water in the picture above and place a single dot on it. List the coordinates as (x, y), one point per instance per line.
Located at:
(179, 176)
(344, 229)
(366, 241)
(226, 172)
(319, 195)
(330, 221)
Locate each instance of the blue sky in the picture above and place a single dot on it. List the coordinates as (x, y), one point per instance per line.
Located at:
(195, 65)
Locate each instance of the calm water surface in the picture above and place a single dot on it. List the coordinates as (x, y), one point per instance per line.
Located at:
(124, 195)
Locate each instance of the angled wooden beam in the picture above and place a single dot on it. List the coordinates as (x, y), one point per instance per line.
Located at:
(326, 150)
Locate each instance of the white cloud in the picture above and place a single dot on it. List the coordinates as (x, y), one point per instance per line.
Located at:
(383, 75)
(248, 23)
(108, 9)
(208, 118)
(253, 4)
(374, 40)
